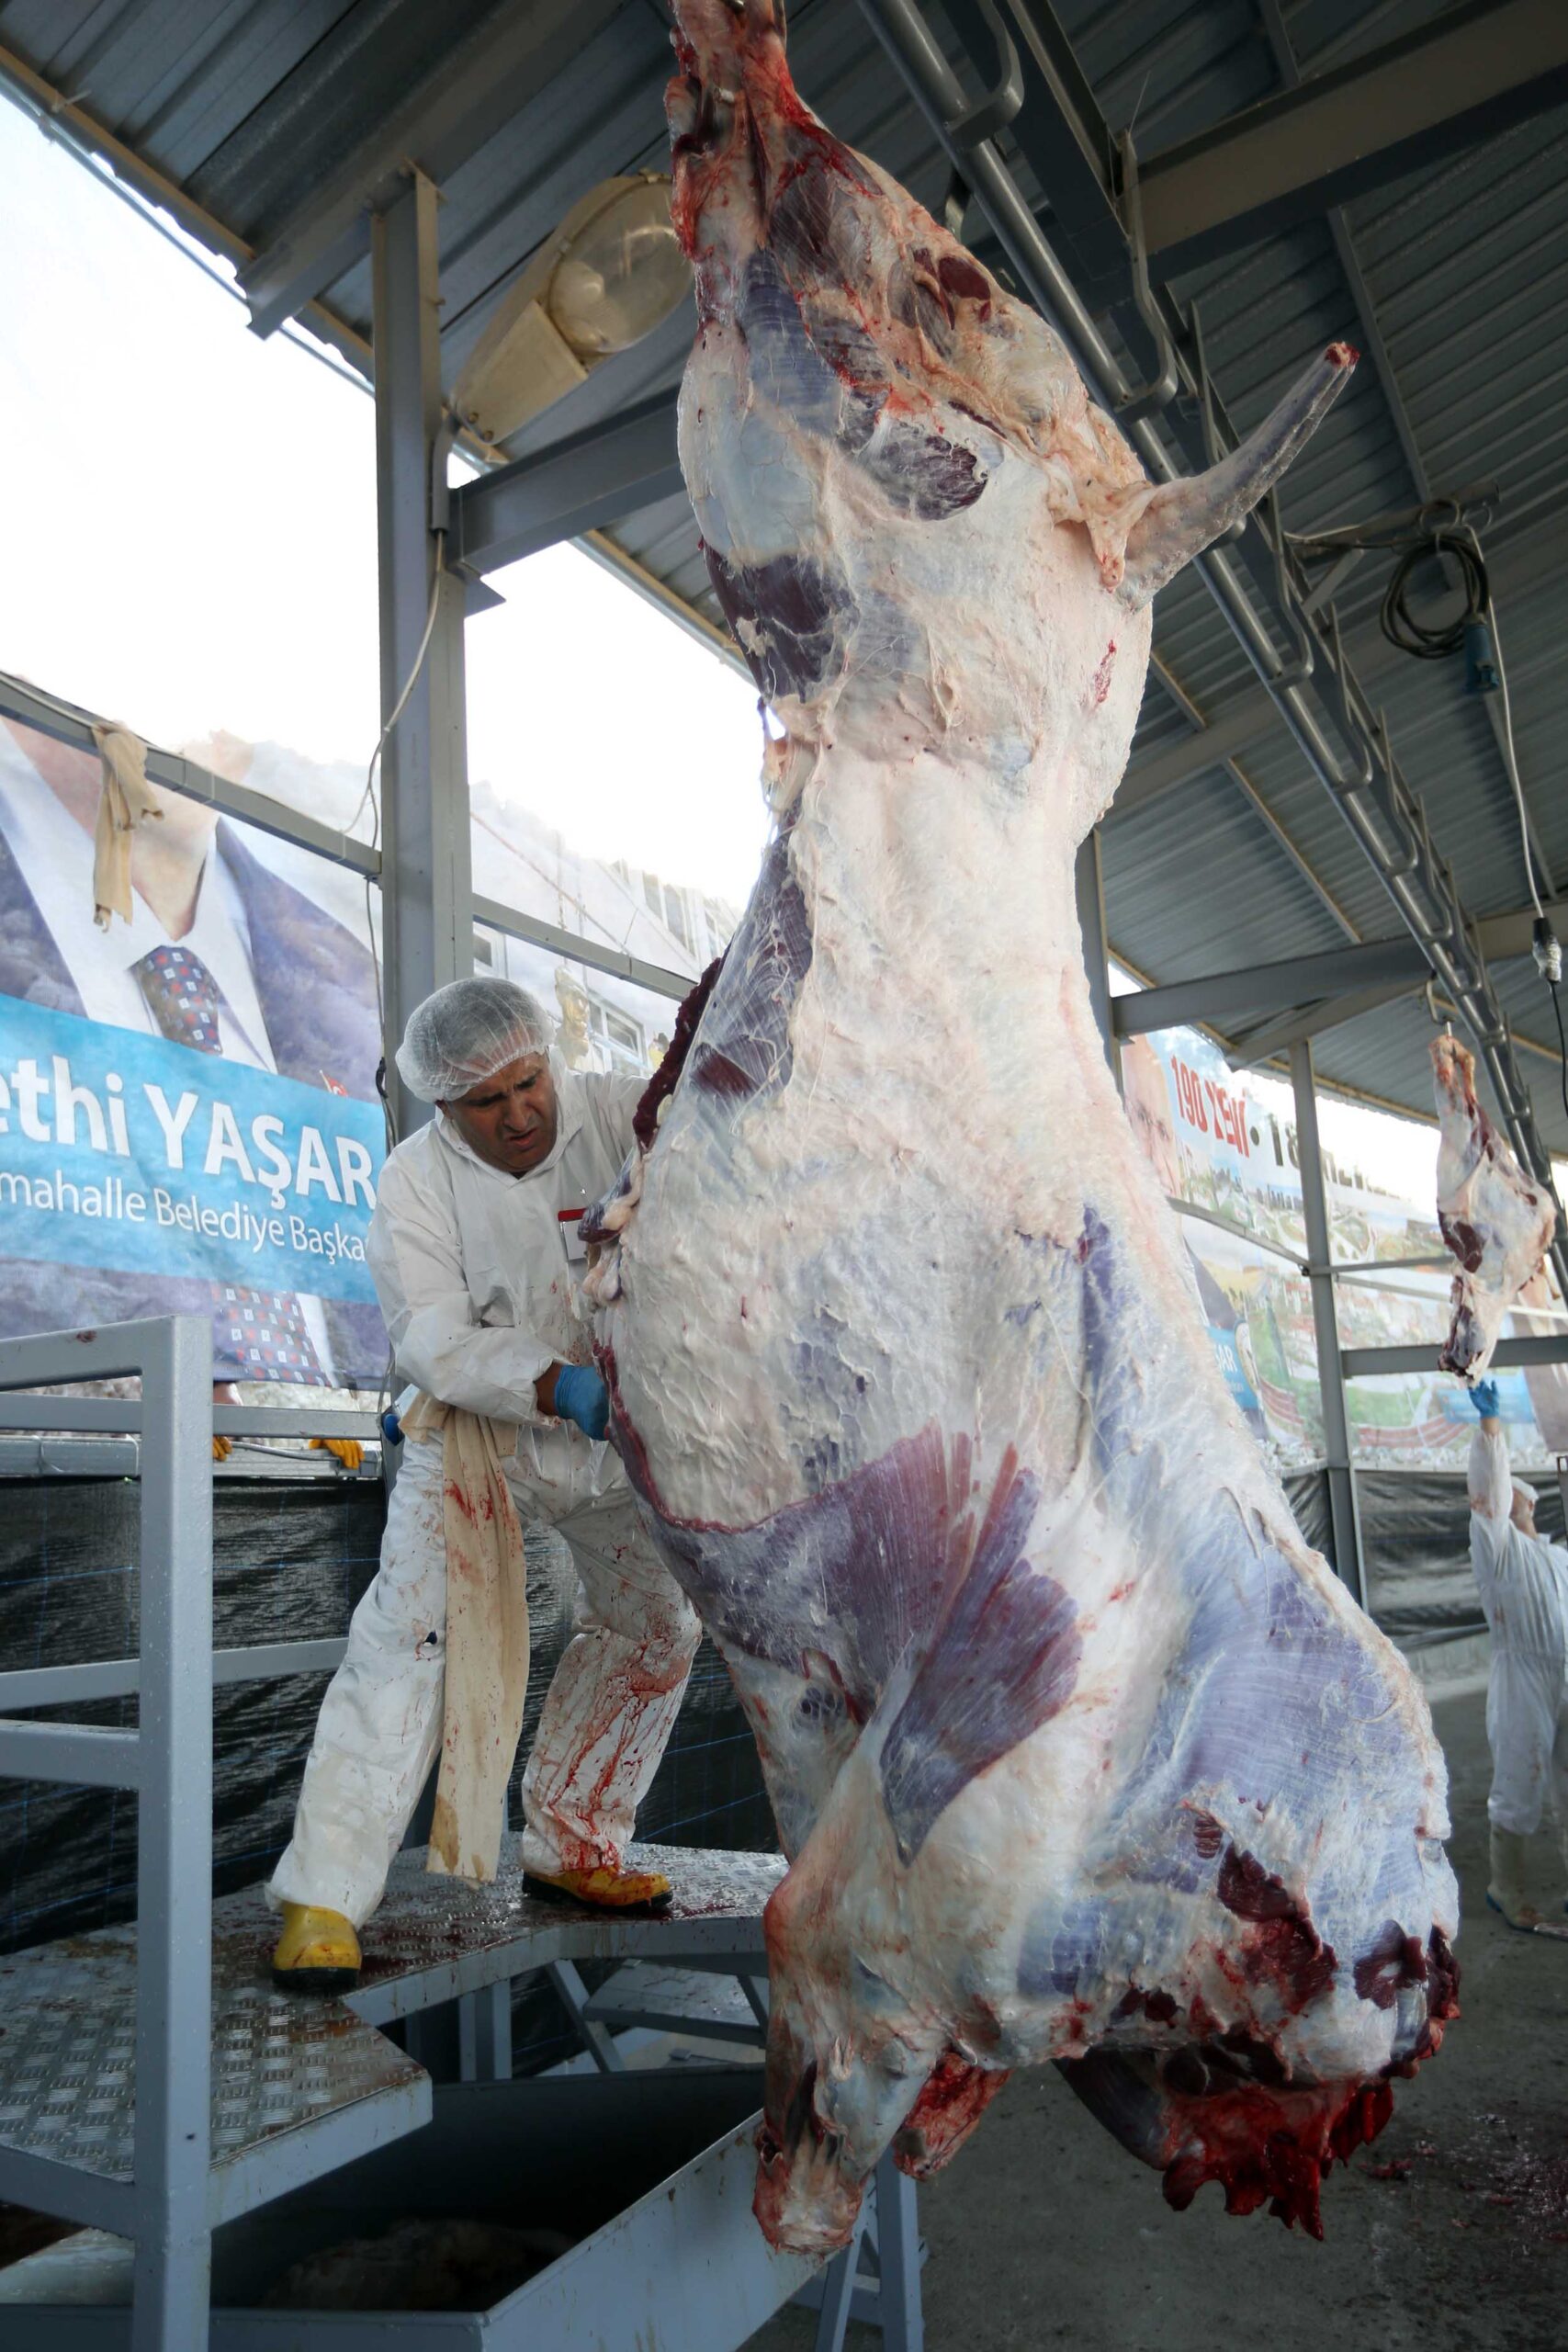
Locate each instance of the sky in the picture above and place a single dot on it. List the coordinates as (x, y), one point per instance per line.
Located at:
(190, 524)
(190, 527)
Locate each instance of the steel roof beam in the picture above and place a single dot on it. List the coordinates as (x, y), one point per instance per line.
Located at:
(1060, 131)
(1376, 347)
(1231, 731)
(1282, 839)
(1302, 982)
(1249, 1047)
(1507, 937)
(1260, 989)
(475, 90)
(1477, 71)
(577, 485)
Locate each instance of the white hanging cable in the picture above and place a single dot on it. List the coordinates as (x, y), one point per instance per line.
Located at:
(1510, 756)
(401, 705)
(384, 1394)
(370, 794)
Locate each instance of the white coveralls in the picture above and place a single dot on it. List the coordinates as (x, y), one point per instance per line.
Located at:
(1523, 1581)
(471, 1271)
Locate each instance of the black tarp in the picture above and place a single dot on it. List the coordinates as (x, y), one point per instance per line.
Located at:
(291, 1559)
(1415, 1538)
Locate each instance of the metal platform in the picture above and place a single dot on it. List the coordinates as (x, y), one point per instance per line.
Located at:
(301, 2085)
(155, 2087)
(305, 2087)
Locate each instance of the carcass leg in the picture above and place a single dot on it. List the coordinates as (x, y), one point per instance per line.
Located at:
(1184, 517)
(847, 2056)
(956, 2096)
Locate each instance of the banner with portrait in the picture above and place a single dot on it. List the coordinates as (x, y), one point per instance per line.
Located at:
(189, 1121)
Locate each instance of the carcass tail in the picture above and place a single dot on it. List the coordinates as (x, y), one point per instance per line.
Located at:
(1184, 517)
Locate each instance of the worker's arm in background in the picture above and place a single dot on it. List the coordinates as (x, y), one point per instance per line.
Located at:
(415, 1263)
(1489, 1474)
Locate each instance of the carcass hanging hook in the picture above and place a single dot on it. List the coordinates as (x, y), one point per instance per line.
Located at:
(1161, 388)
(992, 113)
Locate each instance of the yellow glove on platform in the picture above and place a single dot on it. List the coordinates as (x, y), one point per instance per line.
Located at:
(346, 1449)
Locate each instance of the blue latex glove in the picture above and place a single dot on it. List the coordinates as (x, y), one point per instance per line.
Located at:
(1483, 1397)
(582, 1397)
(391, 1429)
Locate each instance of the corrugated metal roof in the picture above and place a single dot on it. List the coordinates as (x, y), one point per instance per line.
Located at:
(245, 105)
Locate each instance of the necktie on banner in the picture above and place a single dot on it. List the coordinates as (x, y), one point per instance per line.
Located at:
(263, 1331)
(185, 999)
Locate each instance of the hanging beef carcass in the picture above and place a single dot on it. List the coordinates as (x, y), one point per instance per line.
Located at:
(1497, 1223)
(1077, 1751)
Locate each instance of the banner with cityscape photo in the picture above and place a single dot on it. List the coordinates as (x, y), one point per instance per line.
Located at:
(1224, 1142)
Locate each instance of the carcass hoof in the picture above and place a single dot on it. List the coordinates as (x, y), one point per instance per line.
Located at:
(805, 2202)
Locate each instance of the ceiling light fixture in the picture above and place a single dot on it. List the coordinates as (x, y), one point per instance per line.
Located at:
(608, 275)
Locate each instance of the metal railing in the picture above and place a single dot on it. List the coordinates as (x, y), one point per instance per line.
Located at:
(69, 723)
(167, 1761)
(166, 2205)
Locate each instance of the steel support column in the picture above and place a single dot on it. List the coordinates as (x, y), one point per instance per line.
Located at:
(1344, 1513)
(427, 922)
(1088, 891)
(174, 1833)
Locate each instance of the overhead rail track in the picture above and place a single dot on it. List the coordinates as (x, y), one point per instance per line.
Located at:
(1051, 117)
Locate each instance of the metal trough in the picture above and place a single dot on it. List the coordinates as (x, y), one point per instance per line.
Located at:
(667, 2260)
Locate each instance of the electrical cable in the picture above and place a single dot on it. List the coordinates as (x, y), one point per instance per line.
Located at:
(1399, 624)
(1442, 528)
(401, 703)
(1556, 988)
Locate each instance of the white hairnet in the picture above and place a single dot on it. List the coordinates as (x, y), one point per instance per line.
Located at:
(1521, 1487)
(465, 1033)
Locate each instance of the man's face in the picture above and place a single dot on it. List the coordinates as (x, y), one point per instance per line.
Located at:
(510, 1120)
(1522, 1513)
(1147, 1100)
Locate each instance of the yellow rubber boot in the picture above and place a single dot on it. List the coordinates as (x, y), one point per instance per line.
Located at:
(605, 1889)
(1506, 1893)
(317, 1952)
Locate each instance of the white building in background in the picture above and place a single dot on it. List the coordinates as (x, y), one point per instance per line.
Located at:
(606, 1023)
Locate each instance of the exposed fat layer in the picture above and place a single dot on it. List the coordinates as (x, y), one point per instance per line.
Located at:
(1077, 1750)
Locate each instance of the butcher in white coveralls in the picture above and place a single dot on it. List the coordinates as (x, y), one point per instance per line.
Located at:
(473, 1275)
(1523, 1581)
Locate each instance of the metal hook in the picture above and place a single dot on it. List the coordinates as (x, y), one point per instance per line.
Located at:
(1160, 390)
(1001, 102)
(1359, 774)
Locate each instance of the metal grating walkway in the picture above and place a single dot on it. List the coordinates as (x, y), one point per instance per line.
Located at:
(302, 2085)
